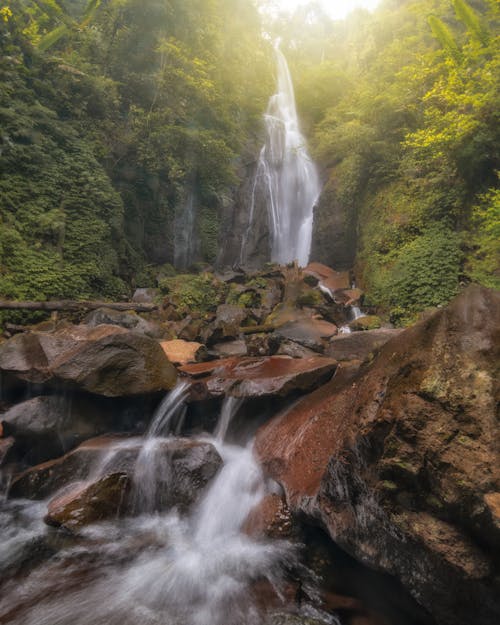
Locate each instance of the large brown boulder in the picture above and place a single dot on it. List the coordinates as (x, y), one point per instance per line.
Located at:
(105, 360)
(400, 464)
(261, 377)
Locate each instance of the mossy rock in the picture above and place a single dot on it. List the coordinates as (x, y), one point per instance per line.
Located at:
(194, 293)
(311, 298)
(369, 322)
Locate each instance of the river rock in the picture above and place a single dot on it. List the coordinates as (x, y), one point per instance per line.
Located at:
(48, 426)
(261, 377)
(228, 349)
(105, 360)
(367, 322)
(311, 333)
(400, 464)
(129, 320)
(182, 352)
(180, 469)
(359, 345)
(83, 503)
(329, 279)
(271, 518)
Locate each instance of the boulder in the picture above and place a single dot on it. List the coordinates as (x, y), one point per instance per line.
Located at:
(229, 348)
(400, 463)
(270, 518)
(145, 295)
(129, 320)
(105, 360)
(359, 345)
(261, 377)
(110, 475)
(182, 352)
(83, 502)
(47, 426)
(367, 322)
(262, 344)
(311, 333)
(226, 325)
(329, 279)
(45, 479)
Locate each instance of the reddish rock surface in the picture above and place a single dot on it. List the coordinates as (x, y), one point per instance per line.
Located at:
(310, 333)
(85, 503)
(328, 277)
(271, 517)
(106, 360)
(183, 352)
(261, 377)
(401, 463)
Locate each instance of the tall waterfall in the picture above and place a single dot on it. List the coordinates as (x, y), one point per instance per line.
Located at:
(287, 176)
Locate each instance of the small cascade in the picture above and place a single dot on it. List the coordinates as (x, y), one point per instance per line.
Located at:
(184, 234)
(230, 407)
(170, 411)
(160, 567)
(287, 177)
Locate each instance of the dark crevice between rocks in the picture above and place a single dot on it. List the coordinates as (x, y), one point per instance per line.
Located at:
(348, 588)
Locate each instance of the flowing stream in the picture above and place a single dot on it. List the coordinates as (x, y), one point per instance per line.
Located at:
(155, 568)
(286, 175)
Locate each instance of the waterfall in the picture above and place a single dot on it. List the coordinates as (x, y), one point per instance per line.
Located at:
(287, 177)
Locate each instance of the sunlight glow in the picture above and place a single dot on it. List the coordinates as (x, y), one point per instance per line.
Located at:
(337, 9)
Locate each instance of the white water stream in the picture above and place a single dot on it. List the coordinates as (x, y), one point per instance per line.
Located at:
(287, 175)
(155, 568)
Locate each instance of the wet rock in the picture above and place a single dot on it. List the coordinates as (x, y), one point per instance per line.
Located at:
(182, 352)
(329, 279)
(349, 297)
(48, 477)
(84, 503)
(228, 349)
(294, 350)
(271, 518)
(368, 322)
(226, 325)
(48, 426)
(359, 345)
(261, 377)
(399, 463)
(178, 468)
(6, 447)
(310, 333)
(262, 344)
(105, 360)
(129, 320)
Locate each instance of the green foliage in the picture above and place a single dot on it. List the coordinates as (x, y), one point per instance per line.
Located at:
(421, 273)
(484, 259)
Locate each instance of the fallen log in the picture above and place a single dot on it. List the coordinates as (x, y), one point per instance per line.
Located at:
(75, 306)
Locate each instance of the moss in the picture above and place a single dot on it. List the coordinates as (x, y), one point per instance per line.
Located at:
(311, 297)
(194, 293)
(389, 486)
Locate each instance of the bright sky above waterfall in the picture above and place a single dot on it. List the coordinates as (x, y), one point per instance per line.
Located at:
(336, 8)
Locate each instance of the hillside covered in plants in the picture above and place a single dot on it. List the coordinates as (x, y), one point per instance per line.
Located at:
(117, 117)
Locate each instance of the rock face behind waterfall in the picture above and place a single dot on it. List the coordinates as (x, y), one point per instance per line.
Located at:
(400, 464)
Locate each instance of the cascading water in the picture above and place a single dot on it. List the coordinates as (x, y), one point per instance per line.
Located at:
(156, 567)
(287, 175)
